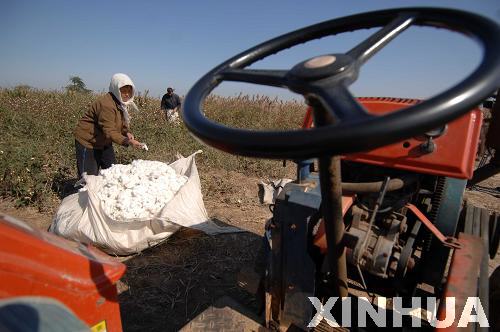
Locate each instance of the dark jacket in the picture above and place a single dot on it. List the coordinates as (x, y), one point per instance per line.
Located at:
(170, 102)
(493, 135)
(102, 124)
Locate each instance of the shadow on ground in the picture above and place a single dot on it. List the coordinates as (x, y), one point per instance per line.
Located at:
(172, 283)
(64, 187)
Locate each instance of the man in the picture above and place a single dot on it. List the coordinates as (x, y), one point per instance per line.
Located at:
(493, 135)
(171, 103)
(492, 142)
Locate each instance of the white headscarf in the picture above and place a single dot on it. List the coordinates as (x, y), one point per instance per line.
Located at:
(117, 81)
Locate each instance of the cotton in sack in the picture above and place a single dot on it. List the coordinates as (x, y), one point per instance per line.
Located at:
(81, 216)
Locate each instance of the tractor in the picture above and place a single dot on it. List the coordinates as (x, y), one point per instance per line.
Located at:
(377, 208)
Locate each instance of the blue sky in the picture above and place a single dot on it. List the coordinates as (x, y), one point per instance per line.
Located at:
(173, 43)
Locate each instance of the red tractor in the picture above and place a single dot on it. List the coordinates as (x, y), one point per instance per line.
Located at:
(384, 212)
(47, 281)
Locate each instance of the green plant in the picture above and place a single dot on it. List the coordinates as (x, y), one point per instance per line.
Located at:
(76, 85)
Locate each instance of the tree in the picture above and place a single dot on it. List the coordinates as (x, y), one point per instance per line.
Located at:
(76, 85)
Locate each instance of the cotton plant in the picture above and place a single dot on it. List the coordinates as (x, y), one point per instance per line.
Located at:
(138, 190)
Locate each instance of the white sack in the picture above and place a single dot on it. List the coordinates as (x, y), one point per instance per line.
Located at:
(268, 192)
(80, 216)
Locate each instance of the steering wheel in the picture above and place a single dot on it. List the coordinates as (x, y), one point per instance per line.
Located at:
(342, 123)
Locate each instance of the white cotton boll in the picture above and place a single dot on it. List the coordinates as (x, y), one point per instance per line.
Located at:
(138, 190)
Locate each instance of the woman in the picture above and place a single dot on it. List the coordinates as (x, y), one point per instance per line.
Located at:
(106, 121)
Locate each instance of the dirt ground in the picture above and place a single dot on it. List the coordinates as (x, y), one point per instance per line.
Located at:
(168, 285)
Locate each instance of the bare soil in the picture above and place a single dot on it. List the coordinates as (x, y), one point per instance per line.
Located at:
(168, 285)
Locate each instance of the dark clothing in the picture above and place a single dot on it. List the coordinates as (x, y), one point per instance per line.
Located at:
(493, 135)
(102, 124)
(90, 160)
(170, 102)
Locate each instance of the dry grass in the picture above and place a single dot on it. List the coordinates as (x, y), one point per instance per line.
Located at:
(170, 284)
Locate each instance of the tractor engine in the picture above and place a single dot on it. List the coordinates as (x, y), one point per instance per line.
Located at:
(375, 249)
(377, 228)
(379, 234)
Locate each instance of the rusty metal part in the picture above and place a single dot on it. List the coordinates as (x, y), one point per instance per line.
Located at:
(374, 187)
(376, 256)
(462, 276)
(268, 309)
(477, 224)
(373, 215)
(320, 236)
(331, 193)
(483, 274)
(446, 204)
(447, 241)
(405, 261)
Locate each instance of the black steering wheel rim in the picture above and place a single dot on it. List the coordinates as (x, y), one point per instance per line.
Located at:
(364, 133)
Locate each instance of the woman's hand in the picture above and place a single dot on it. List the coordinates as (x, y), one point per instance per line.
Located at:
(136, 144)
